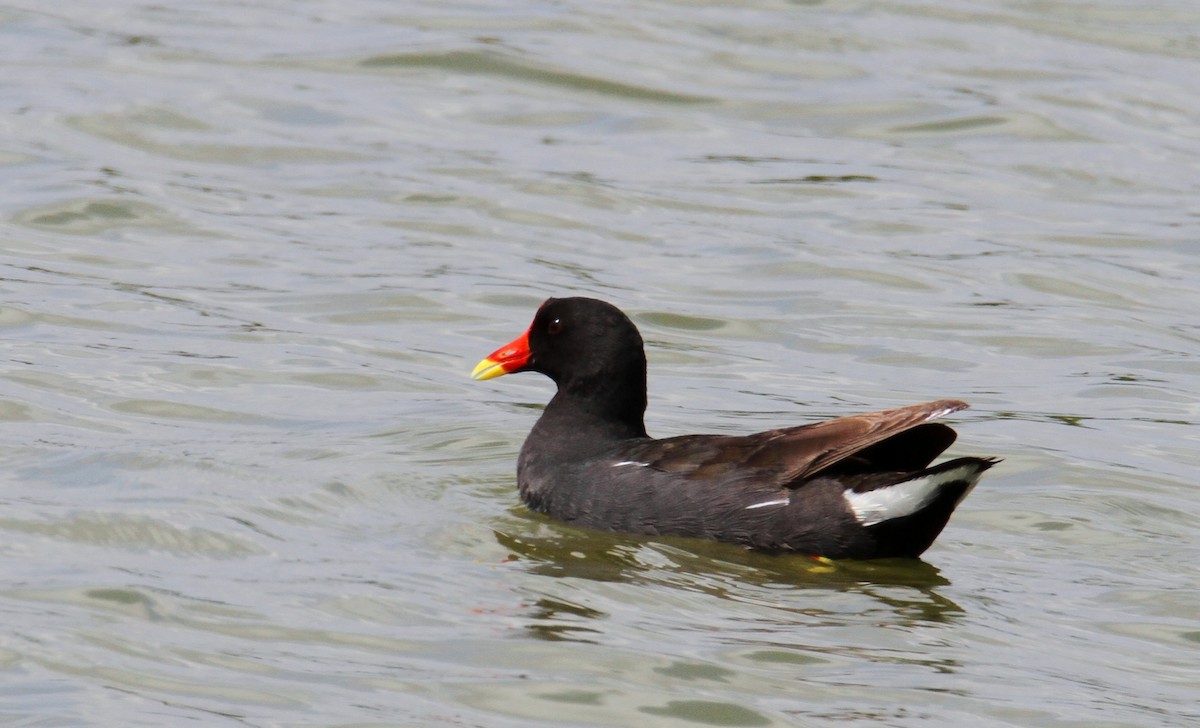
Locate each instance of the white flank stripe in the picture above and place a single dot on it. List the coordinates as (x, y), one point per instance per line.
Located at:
(776, 502)
(905, 499)
(630, 462)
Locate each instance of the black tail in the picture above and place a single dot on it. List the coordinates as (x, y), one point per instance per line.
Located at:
(911, 534)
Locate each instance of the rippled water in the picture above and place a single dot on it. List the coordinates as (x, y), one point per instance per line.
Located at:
(252, 250)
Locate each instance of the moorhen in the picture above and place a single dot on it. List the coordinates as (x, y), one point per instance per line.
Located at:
(857, 487)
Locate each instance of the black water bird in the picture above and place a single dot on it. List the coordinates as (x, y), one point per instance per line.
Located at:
(857, 487)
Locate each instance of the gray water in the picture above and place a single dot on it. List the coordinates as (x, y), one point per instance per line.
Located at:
(252, 250)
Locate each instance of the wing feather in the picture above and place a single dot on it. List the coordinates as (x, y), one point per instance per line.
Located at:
(794, 454)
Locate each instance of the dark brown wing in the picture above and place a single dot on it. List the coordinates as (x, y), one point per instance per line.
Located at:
(895, 439)
(809, 449)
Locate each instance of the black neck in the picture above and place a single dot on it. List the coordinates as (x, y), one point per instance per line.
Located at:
(610, 411)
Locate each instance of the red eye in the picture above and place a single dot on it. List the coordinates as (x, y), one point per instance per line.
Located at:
(555, 327)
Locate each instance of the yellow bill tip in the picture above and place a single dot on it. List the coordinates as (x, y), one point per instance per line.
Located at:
(487, 369)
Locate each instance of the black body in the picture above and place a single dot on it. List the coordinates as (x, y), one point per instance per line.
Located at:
(588, 460)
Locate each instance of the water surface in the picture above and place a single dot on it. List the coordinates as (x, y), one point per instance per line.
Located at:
(252, 251)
